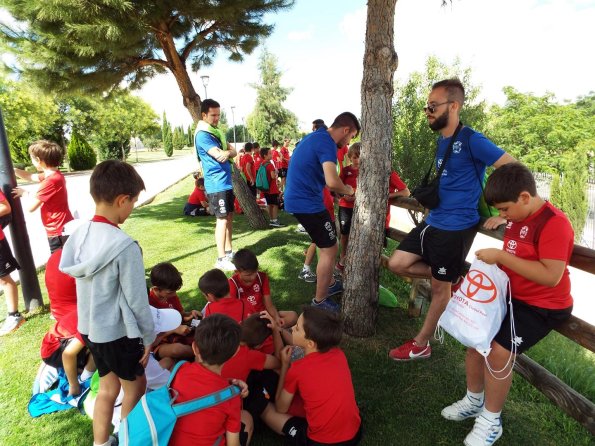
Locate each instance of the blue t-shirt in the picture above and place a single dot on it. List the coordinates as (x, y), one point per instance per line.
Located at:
(305, 176)
(459, 185)
(217, 175)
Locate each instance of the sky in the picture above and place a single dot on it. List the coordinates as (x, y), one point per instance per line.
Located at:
(534, 46)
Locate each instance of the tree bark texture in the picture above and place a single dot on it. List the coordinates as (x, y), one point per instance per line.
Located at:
(360, 299)
(253, 213)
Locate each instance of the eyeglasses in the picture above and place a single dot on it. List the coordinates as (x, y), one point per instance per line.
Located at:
(432, 107)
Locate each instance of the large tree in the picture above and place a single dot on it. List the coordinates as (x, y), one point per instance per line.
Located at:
(270, 119)
(100, 44)
(360, 299)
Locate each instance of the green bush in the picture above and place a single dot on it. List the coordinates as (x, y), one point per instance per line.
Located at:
(80, 154)
(168, 143)
(112, 150)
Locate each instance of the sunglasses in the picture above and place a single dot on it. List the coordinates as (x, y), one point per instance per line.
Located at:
(432, 107)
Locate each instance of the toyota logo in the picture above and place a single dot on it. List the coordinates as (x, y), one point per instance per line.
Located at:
(477, 281)
(511, 244)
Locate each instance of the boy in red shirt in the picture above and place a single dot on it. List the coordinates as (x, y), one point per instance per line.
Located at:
(396, 188)
(323, 380)
(346, 203)
(166, 280)
(61, 287)
(538, 244)
(272, 195)
(8, 264)
(216, 340)
(197, 205)
(284, 162)
(214, 286)
(51, 196)
(247, 167)
(63, 347)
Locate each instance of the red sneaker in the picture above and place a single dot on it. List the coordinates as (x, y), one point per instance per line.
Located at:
(410, 351)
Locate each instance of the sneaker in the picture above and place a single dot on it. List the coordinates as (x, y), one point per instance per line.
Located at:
(307, 276)
(230, 255)
(462, 410)
(410, 351)
(225, 264)
(276, 224)
(335, 288)
(327, 304)
(300, 229)
(484, 432)
(11, 324)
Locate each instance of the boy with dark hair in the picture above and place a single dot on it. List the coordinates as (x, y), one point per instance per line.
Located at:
(247, 167)
(346, 203)
(216, 340)
(252, 287)
(214, 286)
(323, 380)
(166, 280)
(197, 205)
(272, 195)
(538, 244)
(114, 317)
(51, 196)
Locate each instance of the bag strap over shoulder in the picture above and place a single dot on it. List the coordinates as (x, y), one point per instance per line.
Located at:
(205, 402)
(174, 371)
(446, 156)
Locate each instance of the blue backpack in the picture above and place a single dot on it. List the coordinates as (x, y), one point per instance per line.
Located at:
(152, 420)
(262, 181)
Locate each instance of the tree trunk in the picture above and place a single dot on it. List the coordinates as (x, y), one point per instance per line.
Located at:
(254, 214)
(360, 299)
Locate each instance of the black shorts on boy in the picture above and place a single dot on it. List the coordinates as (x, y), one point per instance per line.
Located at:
(8, 263)
(57, 242)
(296, 434)
(345, 217)
(319, 227)
(195, 210)
(272, 199)
(221, 203)
(531, 325)
(121, 357)
(282, 172)
(55, 359)
(444, 251)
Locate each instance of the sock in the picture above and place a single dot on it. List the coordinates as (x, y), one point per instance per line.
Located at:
(306, 268)
(494, 417)
(107, 443)
(86, 375)
(475, 398)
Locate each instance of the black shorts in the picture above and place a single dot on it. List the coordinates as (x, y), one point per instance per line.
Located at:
(295, 431)
(263, 388)
(319, 227)
(531, 325)
(282, 172)
(272, 199)
(444, 251)
(195, 210)
(57, 242)
(8, 263)
(121, 357)
(55, 359)
(345, 216)
(221, 203)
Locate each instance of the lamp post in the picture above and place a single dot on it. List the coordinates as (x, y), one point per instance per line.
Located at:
(205, 81)
(233, 121)
(244, 129)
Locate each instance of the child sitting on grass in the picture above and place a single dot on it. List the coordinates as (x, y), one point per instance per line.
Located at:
(215, 287)
(166, 280)
(197, 205)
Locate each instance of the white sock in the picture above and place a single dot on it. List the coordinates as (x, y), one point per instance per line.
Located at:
(475, 398)
(306, 268)
(86, 375)
(494, 417)
(109, 441)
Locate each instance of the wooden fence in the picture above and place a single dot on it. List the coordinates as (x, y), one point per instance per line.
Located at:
(575, 329)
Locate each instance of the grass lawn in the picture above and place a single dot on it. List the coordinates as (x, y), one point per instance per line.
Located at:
(400, 403)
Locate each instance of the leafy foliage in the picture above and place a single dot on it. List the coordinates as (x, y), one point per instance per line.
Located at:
(167, 137)
(80, 154)
(270, 120)
(179, 138)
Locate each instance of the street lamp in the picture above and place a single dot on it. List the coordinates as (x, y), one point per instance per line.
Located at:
(244, 129)
(233, 121)
(205, 81)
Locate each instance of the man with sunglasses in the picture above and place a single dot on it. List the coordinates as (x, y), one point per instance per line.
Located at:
(437, 247)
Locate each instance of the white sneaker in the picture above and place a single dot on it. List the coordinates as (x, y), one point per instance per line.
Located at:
(484, 432)
(461, 410)
(308, 276)
(225, 264)
(11, 324)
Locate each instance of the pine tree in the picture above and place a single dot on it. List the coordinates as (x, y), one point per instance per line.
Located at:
(80, 154)
(179, 139)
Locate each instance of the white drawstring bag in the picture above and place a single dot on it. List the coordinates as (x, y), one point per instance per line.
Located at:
(476, 310)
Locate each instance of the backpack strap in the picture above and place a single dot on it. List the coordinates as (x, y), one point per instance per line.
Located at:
(174, 371)
(205, 402)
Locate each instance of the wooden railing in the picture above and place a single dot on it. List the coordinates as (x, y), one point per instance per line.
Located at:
(575, 329)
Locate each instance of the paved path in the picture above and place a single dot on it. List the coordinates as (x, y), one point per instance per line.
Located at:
(157, 175)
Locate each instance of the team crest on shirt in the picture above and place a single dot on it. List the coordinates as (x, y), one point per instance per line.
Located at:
(524, 231)
(222, 202)
(256, 288)
(511, 246)
(457, 146)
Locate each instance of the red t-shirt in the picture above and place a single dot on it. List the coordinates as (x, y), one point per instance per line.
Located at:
(273, 187)
(243, 362)
(234, 308)
(341, 154)
(61, 287)
(252, 294)
(197, 196)
(246, 161)
(547, 234)
(2, 198)
(65, 328)
(257, 162)
(395, 184)
(202, 428)
(324, 383)
(348, 176)
(276, 157)
(329, 202)
(54, 210)
(284, 157)
(172, 302)
(101, 219)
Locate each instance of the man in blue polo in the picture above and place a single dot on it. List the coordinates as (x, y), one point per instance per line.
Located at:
(215, 153)
(314, 165)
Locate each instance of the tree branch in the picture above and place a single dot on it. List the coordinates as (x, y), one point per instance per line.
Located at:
(190, 46)
(145, 62)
